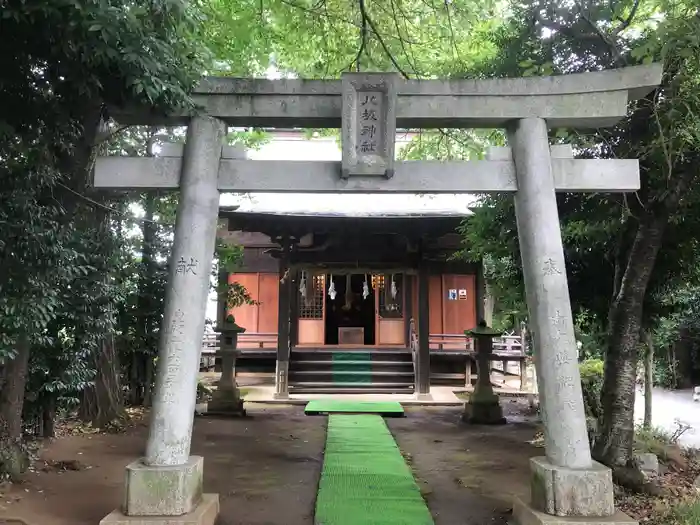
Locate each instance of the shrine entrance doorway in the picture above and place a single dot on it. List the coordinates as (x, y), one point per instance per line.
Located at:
(351, 311)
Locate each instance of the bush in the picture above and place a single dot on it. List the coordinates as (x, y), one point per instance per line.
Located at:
(592, 385)
(682, 513)
(654, 440)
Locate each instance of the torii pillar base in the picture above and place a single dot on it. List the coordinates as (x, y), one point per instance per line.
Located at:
(204, 513)
(525, 514)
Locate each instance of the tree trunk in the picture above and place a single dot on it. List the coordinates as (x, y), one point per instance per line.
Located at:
(146, 300)
(102, 401)
(614, 444)
(48, 417)
(148, 383)
(134, 385)
(14, 459)
(681, 358)
(12, 393)
(648, 379)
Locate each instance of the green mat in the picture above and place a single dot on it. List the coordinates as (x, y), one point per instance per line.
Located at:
(352, 367)
(365, 480)
(350, 406)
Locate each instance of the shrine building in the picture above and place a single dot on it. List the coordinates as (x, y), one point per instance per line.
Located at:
(335, 296)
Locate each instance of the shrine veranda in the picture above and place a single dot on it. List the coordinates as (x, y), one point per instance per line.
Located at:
(368, 108)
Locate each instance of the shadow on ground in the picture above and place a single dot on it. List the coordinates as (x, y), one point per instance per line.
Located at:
(266, 468)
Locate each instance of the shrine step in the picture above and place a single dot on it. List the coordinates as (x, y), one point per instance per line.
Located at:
(402, 364)
(349, 388)
(358, 369)
(352, 354)
(389, 373)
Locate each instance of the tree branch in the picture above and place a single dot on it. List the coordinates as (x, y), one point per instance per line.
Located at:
(626, 22)
(366, 16)
(605, 38)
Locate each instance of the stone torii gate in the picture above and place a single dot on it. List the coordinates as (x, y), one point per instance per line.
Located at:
(368, 107)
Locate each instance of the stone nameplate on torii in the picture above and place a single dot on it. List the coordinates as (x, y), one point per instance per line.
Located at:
(368, 132)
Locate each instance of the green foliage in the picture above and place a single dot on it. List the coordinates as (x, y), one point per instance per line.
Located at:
(590, 333)
(63, 64)
(592, 383)
(684, 512)
(229, 257)
(321, 39)
(654, 440)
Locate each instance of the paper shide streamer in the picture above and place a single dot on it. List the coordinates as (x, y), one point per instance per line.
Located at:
(331, 289)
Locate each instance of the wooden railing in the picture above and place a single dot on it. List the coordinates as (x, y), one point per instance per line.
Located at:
(246, 341)
(505, 345)
(257, 341)
(506, 349)
(508, 345)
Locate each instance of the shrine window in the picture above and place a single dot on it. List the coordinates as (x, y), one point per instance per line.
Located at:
(390, 296)
(311, 306)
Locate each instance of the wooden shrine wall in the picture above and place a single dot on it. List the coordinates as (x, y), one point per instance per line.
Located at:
(448, 316)
(264, 289)
(450, 312)
(452, 315)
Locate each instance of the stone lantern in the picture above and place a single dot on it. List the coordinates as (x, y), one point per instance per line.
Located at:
(226, 399)
(483, 407)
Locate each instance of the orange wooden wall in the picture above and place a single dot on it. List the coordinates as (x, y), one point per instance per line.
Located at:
(452, 317)
(446, 316)
(264, 289)
(449, 317)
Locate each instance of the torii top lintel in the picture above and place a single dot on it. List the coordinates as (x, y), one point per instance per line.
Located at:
(582, 100)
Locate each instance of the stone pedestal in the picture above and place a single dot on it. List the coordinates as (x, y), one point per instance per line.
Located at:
(483, 407)
(281, 381)
(562, 491)
(524, 514)
(203, 514)
(226, 400)
(163, 491)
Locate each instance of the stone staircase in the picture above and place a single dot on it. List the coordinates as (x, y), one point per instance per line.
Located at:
(351, 371)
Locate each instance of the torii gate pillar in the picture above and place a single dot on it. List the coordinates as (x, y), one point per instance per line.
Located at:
(168, 482)
(566, 482)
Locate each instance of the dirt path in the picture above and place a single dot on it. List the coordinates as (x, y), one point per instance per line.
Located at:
(468, 475)
(266, 469)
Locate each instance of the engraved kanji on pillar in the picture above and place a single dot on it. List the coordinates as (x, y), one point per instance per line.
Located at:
(368, 124)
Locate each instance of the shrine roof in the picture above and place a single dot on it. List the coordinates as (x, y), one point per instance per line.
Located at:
(413, 225)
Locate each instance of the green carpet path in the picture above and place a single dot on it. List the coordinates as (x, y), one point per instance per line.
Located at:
(352, 367)
(365, 480)
(353, 406)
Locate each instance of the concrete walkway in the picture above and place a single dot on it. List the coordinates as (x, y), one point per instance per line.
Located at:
(667, 407)
(442, 396)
